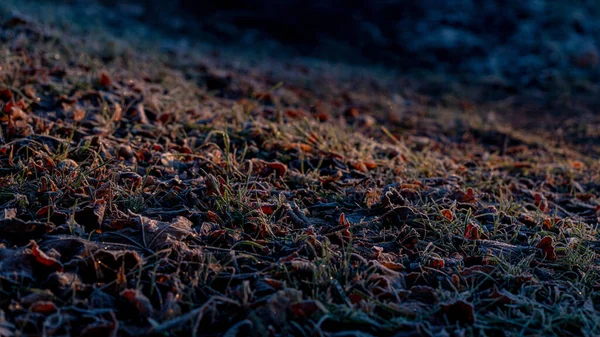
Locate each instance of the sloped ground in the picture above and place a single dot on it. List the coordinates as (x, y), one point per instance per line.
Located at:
(187, 194)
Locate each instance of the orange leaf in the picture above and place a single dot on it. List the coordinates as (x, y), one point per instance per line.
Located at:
(78, 115)
(212, 216)
(342, 219)
(278, 285)
(42, 212)
(301, 146)
(371, 165)
(44, 259)
(448, 214)
(576, 165)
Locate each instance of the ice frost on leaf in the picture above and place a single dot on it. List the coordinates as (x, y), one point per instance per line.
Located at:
(157, 233)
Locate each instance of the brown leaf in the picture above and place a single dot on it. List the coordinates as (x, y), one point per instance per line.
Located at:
(158, 233)
(276, 167)
(541, 202)
(139, 300)
(91, 216)
(78, 115)
(473, 232)
(20, 231)
(305, 309)
(546, 245)
(459, 311)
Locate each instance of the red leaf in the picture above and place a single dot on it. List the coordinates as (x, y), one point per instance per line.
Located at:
(356, 298)
(6, 94)
(268, 209)
(8, 107)
(44, 259)
(43, 307)
(342, 219)
(42, 212)
(104, 80)
(436, 263)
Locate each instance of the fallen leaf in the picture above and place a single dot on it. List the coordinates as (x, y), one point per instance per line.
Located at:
(546, 245)
(139, 301)
(43, 307)
(459, 311)
(305, 308)
(436, 263)
(104, 80)
(44, 259)
(448, 214)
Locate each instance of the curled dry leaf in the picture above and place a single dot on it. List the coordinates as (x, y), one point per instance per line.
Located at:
(546, 245)
(44, 259)
(541, 202)
(474, 232)
(91, 216)
(139, 301)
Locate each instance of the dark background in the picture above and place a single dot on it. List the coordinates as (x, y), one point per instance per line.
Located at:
(525, 42)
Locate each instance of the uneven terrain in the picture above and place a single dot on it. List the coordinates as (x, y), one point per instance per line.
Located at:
(175, 192)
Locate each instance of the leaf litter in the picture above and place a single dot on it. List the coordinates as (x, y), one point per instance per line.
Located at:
(176, 197)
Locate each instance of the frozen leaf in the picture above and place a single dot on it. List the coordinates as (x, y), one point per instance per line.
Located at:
(459, 311)
(474, 232)
(44, 259)
(91, 216)
(139, 301)
(305, 309)
(546, 245)
(448, 214)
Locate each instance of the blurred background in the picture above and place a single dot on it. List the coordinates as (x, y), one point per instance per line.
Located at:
(533, 42)
(514, 44)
